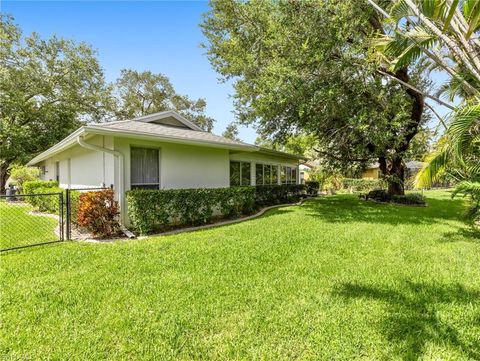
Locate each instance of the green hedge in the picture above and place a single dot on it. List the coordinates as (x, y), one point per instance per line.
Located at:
(277, 194)
(32, 187)
(362, 185)
(151, 210)
(49, 204)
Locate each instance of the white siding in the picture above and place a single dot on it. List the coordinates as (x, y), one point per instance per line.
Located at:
(83, 168)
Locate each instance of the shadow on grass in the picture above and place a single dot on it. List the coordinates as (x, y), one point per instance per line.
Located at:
(412, 319)
(348, 208)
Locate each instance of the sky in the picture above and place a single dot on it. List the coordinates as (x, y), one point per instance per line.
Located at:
(160, 36)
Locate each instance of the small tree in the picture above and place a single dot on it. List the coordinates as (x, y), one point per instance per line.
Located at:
(21, 174)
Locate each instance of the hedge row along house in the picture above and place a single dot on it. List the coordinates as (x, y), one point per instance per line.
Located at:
(160, 151)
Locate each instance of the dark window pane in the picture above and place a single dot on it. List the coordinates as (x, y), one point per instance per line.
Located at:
(283, 174)
(274, 174)
(234, 173)
(245, 174)
(259, 174)
(294, 175)
(267, 173)
(145, 186)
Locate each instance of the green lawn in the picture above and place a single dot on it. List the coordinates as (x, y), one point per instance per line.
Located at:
(19, 228)
(336, 278)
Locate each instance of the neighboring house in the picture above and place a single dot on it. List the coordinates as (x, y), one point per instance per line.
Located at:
(373, 170)
(160, 151)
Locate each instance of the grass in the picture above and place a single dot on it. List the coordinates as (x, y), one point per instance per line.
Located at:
(336, 278)
(19, 228)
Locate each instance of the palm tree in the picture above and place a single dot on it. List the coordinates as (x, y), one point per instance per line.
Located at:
(445, 33)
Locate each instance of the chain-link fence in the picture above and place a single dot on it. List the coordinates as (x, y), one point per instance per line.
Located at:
(31, 219)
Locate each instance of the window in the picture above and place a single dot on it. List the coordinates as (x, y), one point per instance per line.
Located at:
(144, 168)
(57, 172)
(239, 173)
(288, 175)
(266, 174)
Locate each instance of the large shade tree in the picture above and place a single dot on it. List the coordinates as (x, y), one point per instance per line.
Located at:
(307, 67)
(48, 88)
(138, 93)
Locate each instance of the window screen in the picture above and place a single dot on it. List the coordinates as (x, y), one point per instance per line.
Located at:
(144, 168)
(239, 173)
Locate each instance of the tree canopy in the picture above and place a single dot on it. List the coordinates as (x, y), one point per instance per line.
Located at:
(140, 93)
(48, 88)
(307, 67)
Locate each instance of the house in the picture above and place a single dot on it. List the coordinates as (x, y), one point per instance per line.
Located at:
(160, 151)
(373, 170)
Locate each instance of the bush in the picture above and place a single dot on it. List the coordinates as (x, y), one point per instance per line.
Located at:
(269, 195)
(379, 195)
(32, 187)
(98, 212)
(362, 185)
(151, 210)
(410, 198)
(312, 188)
(21, 174)
(47, 204)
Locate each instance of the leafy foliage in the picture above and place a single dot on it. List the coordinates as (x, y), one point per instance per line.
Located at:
(151, 210)
(142, 93)
(98, 212)
(21, 174)
(48, 88)
(305, 68)
(231, 132)
(32, 187)
(471, 190)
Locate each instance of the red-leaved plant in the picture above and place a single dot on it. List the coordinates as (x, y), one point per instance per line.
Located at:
(98, 212)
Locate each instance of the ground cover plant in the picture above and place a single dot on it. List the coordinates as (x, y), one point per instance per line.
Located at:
(336, 278)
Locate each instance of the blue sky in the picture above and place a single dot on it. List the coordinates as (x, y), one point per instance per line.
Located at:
(159, 36)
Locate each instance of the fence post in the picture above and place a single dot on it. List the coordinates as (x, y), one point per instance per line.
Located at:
(67, 210)
(60, 210)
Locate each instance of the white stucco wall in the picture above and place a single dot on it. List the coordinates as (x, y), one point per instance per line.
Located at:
(182, 166)
(82, 168)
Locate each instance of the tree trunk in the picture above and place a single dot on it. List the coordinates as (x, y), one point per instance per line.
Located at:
(4, 174)
(396, 177)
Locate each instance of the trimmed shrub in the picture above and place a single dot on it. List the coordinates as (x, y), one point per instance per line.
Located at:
(32, 187)
(47, 204)
(410, 198)
(151, 210)
(312, 188)
(98, 212)
(269, 195)
(21, 174)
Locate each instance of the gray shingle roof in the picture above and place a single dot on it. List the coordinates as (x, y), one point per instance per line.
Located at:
(168, 131)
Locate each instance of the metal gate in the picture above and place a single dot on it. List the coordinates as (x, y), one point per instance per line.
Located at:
(28, 220)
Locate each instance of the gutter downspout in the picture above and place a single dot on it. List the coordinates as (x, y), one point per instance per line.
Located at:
(120, 158)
